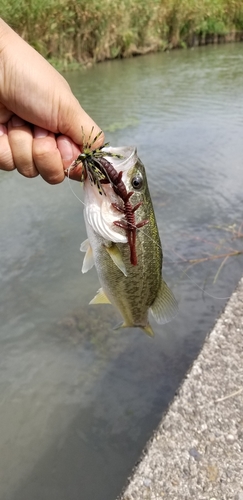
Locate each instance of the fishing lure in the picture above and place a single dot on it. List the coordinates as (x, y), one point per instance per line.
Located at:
(90, 160)
(100, 171)
(129, 224)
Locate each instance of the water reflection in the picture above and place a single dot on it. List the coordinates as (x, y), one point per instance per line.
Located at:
(77, 400)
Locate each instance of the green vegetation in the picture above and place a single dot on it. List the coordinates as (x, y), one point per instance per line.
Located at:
(78, 31)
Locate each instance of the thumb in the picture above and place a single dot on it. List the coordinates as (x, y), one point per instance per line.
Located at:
(75, 123)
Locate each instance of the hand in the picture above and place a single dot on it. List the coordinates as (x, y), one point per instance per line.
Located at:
(41, 121)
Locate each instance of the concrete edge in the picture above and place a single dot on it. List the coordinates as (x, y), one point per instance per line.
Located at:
(197, 450)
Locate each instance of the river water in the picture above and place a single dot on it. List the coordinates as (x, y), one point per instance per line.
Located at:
(78, 401)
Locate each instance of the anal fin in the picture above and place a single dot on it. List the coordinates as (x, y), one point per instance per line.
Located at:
(100, 298)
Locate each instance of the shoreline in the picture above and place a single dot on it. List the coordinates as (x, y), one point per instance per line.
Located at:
(77, 34)
(197, 450)
(194, 40)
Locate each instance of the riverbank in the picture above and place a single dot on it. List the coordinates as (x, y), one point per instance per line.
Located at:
(197, 451)
(78, 33)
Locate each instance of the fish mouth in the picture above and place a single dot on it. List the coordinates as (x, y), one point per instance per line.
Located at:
(100, 213)
(128, 154)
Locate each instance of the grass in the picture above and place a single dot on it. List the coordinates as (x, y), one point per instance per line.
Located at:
(71, 32)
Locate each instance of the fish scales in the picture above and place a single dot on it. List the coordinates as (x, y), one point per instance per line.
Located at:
(133, 289)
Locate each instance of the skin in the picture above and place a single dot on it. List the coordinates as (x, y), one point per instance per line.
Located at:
(40, 119)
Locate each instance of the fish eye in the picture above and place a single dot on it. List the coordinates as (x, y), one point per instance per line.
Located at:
(137, 182)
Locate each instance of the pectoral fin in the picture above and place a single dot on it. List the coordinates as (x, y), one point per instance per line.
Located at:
(84, 246)
(88, 261)
(100, 298)
(165, 306)
(116, 256)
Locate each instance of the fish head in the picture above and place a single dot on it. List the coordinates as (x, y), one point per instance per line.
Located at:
(101, 204)
(133, 171)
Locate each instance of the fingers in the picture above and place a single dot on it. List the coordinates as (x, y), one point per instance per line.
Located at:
(33, 151)
(69, 152)
(20, 140)
(74, 173)
(47, 156)
(5, 114)
(6, 157)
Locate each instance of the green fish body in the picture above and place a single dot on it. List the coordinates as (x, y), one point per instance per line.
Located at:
(133, 289)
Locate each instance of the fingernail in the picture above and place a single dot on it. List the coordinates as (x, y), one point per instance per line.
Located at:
(40, 133)
(17, 121)
(66, 150)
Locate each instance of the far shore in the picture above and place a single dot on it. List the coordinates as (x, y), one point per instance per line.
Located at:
(78, 34)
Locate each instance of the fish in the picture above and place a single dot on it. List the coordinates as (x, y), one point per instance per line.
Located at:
(129, 269)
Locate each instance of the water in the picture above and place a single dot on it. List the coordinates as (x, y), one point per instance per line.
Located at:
(78, 401)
